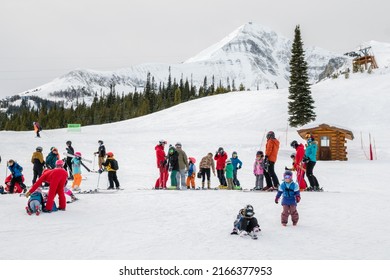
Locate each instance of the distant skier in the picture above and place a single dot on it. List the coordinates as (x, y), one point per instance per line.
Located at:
(229, 174)
(190, 182)
(221, 157)
(271, 154)
(52, 157)
(183, 166)
(205, 166)
(76, 167)
(37, 129)
(311, 158)
(17, 176)
(38, 163)
(246, 223)
(237, 164)
(162, 165)
(101, 152)
(258, 170)
(68, 162)
(298, 165)
(111, 165)
(173, 165)
(291, 196)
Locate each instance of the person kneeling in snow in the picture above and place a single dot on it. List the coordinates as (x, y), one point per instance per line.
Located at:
(35, 203)
(246, 223)
(57, 179)
(291, 196)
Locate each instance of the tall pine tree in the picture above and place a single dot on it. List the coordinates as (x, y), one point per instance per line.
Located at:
(301, 104)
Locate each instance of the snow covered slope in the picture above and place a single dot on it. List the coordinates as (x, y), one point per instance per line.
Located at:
(253, 55)
(347, 222)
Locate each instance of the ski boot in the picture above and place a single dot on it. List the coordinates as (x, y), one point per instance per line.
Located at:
(234, 231)
(37, 210)
(243, 233)
(28, 210)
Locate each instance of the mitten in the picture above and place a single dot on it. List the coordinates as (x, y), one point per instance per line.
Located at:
(298, 198)
(100, 171)
(27, 194)
(276, 200)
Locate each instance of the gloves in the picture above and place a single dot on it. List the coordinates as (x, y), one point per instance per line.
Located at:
(239, 167)
(276, 200)
(100, 171)
(298, 198)
(27, 194)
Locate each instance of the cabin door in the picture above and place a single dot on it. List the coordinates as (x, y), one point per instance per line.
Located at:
(325, 152)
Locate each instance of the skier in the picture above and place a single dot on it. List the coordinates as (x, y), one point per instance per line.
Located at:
(56, 178)
(76, 167)
(162, 165)
(38, 163)
(298, 165)
(173, 165)
(101, 152)
(258, 170)
(37, 129)
(237, 164)
(17, 176)
(191, 173)
(221, 157)
(111, 165)
(183, 166)
(229, 174)
(205, 165)
(52, 157)
(291, 196)
(271, 154)
(35, 202)
(68, 162)
(311, 158)
(246, 223)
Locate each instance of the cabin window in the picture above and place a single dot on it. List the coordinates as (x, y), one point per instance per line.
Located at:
(325, 142)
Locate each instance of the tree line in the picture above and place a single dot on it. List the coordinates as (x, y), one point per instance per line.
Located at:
(111, 107)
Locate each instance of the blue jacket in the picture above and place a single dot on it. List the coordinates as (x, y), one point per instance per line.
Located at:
(311, 151)
(289, 191)
(236, 163)
(76, 168)
(16, 170)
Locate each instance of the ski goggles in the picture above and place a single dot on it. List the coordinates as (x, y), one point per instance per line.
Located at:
(287, 177)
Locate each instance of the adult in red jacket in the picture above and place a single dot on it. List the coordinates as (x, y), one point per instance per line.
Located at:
(299, 166)
(271, 154)
(57, 179)
(221, 157)
(162, 165)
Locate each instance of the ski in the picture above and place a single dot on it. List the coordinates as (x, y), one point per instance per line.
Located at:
(70, 155)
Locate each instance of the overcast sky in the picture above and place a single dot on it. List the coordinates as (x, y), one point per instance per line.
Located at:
(43, 39)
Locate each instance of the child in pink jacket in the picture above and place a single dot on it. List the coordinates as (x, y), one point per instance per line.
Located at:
(258, 170)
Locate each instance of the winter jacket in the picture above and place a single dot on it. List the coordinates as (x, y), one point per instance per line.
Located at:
(101, 151)
(160, 155)
(191, 169)
(173, 160)
(289, 191)
(51, 160)
(258, 167)
(107, 164)
(229, 171)
(221, 160)
(70, 151)
(311, 151)
(183, 160)
(16, 170)
(207, 162)
(271, 149)
(299, 156)
(37, 161)
(236, 163)
(76, 165)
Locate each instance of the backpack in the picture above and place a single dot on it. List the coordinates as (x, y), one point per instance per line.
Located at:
(114, 164)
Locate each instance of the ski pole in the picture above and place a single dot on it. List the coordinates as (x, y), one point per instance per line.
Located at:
(93, 164)
(97, 187)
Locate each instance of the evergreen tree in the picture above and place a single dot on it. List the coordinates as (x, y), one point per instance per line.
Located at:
(301, 104)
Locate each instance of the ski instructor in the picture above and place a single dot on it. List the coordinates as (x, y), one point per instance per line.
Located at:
(56, 178)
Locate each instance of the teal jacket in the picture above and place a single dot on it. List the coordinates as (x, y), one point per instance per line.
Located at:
(311, 151)
(229, 171)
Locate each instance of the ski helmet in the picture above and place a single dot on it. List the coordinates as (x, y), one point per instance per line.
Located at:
(228, 161)
(249, 211)
(110, 154)
(259, 153)
(294, 144)
(234, 154)
(59, 163)
(178, 145)
(220, 150)
(292, 155)
(68, 142)
(270, 135)
(193, 160)
(100, 142)
(77, 154)
(39, 149)
(162, 142)
(287, 175)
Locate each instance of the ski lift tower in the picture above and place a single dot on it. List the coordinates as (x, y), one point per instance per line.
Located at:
(364, 56)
